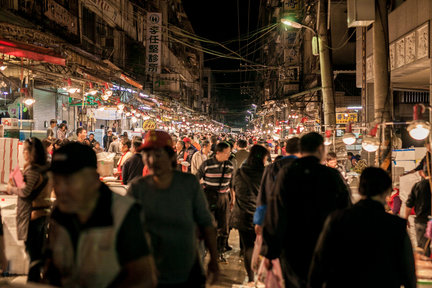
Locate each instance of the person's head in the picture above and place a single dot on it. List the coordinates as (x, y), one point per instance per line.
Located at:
(34, 152)
(350, 155)
(374, 181)
(213, 139)
(53, 123)
(136, 144)
(48, 145)
(97, 145)
(115, 137)
(180, 145)
(257, 156)
(81, 134)
(91, 137)
(75, 178)
(223, 151)
(126, 145)
(63, 127)
(293, 146)
(157, 152)
(312, 144)
(187, 141)
(205, 147)
(331, 160)
(87, 141)
(109, 132)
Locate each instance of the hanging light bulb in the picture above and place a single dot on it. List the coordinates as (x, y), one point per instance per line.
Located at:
(29, 101)
(370, 143)
(418, 129)
(2, 67)
(92, 91)
(349, 138)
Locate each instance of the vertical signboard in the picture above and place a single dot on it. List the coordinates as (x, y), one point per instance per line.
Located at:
(153, 41)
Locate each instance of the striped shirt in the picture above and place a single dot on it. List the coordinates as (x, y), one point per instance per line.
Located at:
(210, 174)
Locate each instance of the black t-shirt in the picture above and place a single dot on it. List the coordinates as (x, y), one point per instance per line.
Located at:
(130, 243)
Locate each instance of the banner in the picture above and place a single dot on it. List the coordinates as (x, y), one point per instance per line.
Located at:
(154, 40)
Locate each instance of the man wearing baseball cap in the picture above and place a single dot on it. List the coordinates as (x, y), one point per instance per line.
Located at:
(190, 150)
(173, 205)
(95, 237)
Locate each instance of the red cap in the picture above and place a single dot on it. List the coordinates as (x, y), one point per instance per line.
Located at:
(186, 139)
(156, 139)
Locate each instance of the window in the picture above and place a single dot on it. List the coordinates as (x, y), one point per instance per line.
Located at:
(88, 21)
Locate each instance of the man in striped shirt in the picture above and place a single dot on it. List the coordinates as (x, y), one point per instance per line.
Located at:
(215, 174)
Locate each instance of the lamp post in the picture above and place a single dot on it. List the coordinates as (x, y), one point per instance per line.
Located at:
(325, 67)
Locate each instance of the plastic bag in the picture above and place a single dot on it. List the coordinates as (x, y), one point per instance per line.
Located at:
(256, 258)
(271, 278)
(274, 276)
(428, 233)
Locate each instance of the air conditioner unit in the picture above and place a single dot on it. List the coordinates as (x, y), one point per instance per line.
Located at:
(360, 12)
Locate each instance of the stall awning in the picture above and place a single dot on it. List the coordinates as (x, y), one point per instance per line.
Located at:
(131, 81)
(37, 53)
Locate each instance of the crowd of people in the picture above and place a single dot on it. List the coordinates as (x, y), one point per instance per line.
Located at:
(186, 193)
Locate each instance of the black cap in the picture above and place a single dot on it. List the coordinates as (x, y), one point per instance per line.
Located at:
(73, 157)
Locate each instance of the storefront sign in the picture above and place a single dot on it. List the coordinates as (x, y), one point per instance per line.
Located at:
(61, 16)
(345, 118)
(154, 40)
(149, 125)
(9, 123)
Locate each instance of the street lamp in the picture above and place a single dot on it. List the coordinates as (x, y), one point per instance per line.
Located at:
(325, 69)
(297, 25)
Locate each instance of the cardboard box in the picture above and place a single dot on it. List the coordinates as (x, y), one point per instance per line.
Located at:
(9, 148)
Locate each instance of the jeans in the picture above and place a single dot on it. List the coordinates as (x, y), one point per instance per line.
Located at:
(421, 239)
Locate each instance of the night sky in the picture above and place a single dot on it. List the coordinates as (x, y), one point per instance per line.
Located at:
(218, 21)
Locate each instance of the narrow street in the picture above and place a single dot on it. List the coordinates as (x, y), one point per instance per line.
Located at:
(233, 273)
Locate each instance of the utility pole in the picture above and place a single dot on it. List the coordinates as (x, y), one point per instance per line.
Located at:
(380, 61)
(382, 79)
(325, 67)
